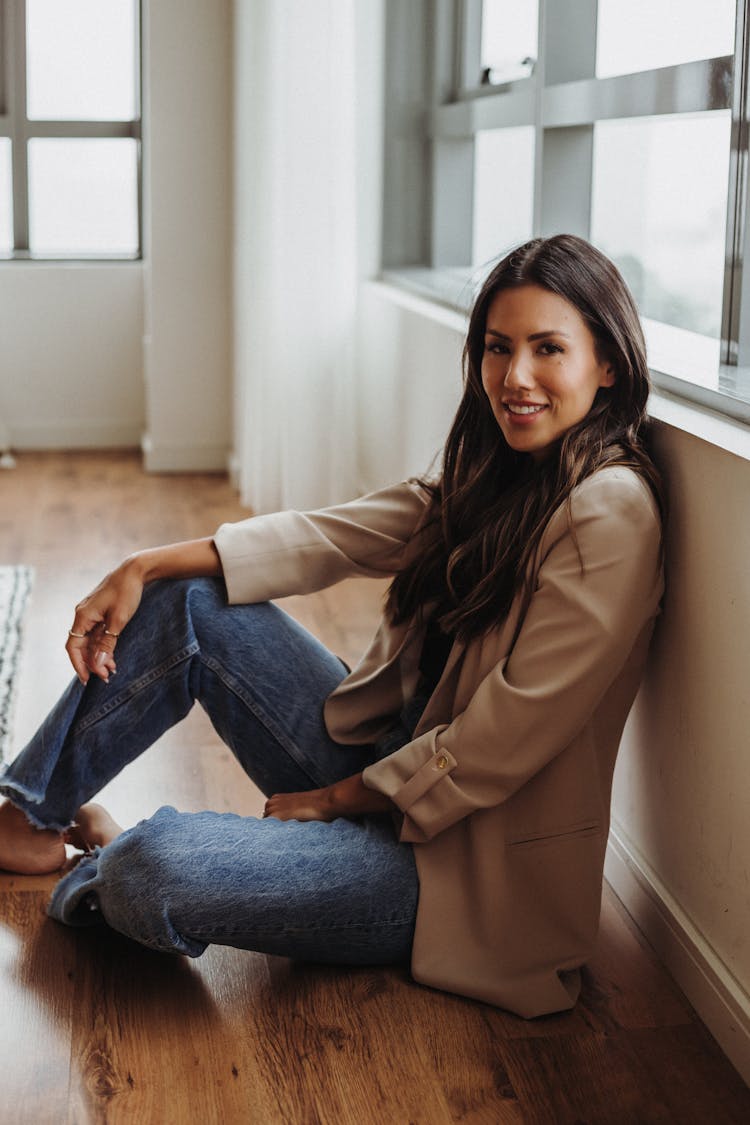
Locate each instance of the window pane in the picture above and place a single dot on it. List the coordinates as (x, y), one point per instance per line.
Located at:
(644, 34)
(83, 197)
(659, 210)
(509, 37)
(6, 199)
(81, 60)
(503, 190)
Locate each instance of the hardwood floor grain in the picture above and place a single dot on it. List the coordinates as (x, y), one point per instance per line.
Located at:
(94, 1029)
(36, 1008)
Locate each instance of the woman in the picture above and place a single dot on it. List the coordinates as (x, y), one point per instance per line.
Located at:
(485, 717)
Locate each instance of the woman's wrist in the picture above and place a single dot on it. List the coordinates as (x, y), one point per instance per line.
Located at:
(195, 558)
(351, 797)
(140, 565)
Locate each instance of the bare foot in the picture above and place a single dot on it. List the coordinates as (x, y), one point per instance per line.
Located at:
(93, 826)
(27, 850)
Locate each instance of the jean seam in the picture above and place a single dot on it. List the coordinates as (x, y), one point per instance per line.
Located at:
(260, 713)
(135, 687)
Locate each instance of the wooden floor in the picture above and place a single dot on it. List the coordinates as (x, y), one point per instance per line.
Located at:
(95, 1029)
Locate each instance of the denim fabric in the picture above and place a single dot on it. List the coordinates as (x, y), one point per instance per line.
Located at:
(344, 892)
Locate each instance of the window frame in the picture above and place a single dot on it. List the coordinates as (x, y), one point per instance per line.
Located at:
(435, 105)
(16, 125)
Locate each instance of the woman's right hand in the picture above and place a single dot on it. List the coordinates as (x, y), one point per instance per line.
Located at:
(101, 617)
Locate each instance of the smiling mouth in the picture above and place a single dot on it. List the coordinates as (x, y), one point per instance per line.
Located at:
(526, 408)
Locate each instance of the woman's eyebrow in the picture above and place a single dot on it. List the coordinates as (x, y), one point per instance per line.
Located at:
(533, 336)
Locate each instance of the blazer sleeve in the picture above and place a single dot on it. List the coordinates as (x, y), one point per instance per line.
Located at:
(298, 552)
(578, 631)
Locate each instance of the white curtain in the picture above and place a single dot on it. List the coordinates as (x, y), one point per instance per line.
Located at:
(296, 269)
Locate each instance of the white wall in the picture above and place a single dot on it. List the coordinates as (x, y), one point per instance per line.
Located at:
(71, 364)
(72, 359)
(680, 844)
(188, 188)
(687, 741)
(681, 834)
(409, 383)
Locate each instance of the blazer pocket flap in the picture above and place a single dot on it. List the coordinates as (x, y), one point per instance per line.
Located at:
(555, 835)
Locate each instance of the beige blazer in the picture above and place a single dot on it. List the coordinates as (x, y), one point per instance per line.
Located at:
(505, 789)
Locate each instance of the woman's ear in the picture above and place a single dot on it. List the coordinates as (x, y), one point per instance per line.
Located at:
(607, 378)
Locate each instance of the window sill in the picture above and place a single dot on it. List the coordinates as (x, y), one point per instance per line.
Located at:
(61, 261)
(445, 296)
(708, 425)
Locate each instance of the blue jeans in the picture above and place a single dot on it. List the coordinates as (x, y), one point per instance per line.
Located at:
(344, 892)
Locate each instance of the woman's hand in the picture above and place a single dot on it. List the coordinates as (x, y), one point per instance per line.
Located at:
(101, 617)
(350, 797)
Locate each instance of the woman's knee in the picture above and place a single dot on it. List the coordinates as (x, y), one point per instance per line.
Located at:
(176, 616)
(177, 599)
(221, 627)
(142, 878)
(215, 626)
(161, 623)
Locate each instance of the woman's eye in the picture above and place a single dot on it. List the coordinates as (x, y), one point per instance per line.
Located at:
(494, 348)
(549, 348)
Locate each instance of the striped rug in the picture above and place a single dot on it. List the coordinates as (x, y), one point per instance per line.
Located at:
(15, 585)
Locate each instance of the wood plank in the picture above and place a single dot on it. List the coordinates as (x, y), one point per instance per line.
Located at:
(37, 960)
(325, 1044)
(650, 1076)
(464, 1056)
(147, 1039)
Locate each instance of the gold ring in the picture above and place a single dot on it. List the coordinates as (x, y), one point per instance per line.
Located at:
(108, 634)
(79, 635)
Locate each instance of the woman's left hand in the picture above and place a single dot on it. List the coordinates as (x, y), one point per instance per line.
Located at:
(100, 618)
(350, 797)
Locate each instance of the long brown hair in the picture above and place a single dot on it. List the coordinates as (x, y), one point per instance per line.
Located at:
(491, 504)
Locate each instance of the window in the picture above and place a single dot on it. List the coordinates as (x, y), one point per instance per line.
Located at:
(508, 40)
(659, 201)
(496, 150)
(618, 120)
(69, 129)
(646, 34)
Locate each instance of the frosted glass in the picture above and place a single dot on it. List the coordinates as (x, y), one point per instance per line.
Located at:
(503, 190)
(509, 35)
(633, 35)
(6, 199)
(83, 197)
(659, 210)
(81, 60)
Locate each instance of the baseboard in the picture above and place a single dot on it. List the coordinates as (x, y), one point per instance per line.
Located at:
(183, 458)
(717, 996)
(96, 434)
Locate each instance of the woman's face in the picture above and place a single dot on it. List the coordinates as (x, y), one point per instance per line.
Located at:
(540, 370)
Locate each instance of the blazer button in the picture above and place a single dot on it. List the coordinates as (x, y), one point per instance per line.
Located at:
(442, 762)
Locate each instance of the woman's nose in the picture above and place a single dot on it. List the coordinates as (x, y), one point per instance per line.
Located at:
(518, 373)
